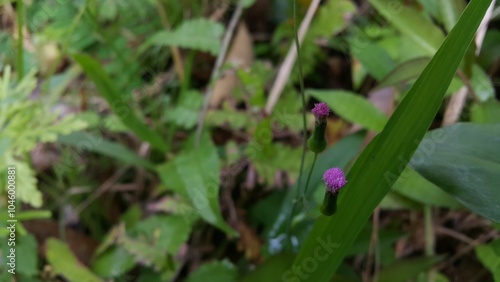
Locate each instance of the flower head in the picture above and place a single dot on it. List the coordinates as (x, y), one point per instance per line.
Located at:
(320, 110)
(334, 179)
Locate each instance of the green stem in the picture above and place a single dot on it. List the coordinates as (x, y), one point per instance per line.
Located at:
(301, 81)
(20, 49)
(309, 175)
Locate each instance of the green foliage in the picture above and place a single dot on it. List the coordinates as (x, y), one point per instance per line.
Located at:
(409, 21)
(194, 174)
(64, 262)
(406, 269)
(487, 112)
(25, 123)
(489, 255)
(222, 271)
(367, 182)
(413, 186)
(118, 102)
(463, 160)
(185, 114)
(198, 34)
(99, 145)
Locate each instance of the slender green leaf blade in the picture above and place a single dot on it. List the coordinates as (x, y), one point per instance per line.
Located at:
(82, 140)
(378, 166)
(117, 101)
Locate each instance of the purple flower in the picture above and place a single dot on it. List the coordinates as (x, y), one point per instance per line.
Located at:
(321, 110)
(334, 179)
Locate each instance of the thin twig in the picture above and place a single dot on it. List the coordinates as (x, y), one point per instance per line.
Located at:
(286, 67)
(101, 190)
(216, 70)
(484, 238)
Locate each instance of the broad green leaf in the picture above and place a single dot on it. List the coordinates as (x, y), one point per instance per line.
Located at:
(118, 101)
(332, 18)
(352, 107)
(66, 264)
(489, 255)
(372, 56)
(144, 252)
(367, 183)
(412, 23)
(413, 186)
(273, 269)
(194, 174)
(96, 143)
(199, 34)
(487, 112)
(464, 160)
(222, 271)
(403, 270)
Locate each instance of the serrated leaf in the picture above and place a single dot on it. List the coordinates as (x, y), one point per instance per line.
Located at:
(464, 160)
(168, 232)
(186, 111)
(352, 107)
(144, 253)
(66, 264)
(198, 34)
(194, 174)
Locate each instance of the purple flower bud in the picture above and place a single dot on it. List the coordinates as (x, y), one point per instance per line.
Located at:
(320, 110)
(334, 179)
